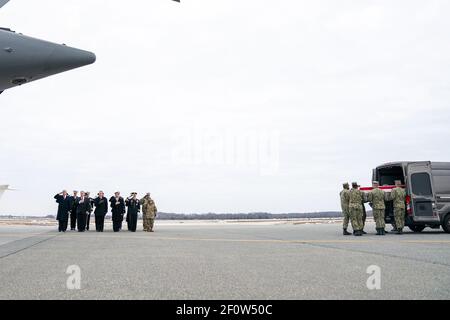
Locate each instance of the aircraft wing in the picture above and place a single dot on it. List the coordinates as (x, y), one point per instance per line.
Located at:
(4, 188)
(3, 2)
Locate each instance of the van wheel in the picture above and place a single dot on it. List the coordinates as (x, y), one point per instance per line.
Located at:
(416, 228)
(446, 224)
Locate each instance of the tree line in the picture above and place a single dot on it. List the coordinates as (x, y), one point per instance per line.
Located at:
(223, 216)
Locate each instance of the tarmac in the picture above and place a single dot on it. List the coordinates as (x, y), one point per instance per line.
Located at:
(223, 260)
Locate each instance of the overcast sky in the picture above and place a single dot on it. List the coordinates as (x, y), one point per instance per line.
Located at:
(226, 106)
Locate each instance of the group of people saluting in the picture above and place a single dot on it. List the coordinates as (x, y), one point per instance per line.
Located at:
(352, 204)
(79, 208)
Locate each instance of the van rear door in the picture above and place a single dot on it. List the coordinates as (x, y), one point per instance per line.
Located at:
(420, 189)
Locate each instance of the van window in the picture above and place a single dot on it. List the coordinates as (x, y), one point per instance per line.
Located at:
(421, 184)
(441, 184)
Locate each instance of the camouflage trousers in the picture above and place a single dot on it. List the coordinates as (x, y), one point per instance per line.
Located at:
(148, 223)
(378, 215)
(356, 216)
(346, 213)
(399, 215)
(364, 217)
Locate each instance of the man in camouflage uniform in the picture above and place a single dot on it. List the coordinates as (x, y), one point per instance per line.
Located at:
(376, 197)
(148, 212)
(345, 199)
(356, 202)
(398, 196)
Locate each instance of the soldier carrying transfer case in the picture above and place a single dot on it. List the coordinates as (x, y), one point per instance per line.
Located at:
(364, 215)
(356, 203)
(398, 196)
(376, 198)
(345, 199)
(148, 212)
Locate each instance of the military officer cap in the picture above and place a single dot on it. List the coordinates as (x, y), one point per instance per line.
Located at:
(345, 184)
(355, 184)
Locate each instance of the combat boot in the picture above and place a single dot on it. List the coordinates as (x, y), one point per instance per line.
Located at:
(358, 233)
(363, 232)
(346, 233)
(399, 230)
(379, 232)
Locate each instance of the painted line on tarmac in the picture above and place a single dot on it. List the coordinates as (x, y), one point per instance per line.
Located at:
(17, 234)
(271, 240)
(302, 241)
(21, 247)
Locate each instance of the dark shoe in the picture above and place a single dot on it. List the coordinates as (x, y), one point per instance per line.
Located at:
(363, 232)
(378, 232)
(346, 233)
(358, 233)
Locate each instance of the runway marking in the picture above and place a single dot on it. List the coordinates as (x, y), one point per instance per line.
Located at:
(15, 234)
(302, 241)
(312, 241)
(20, 249)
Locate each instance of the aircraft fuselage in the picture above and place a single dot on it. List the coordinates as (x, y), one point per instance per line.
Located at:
(24, 59)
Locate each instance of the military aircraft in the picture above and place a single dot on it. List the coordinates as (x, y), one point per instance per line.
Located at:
(24, 59)
(4, 188)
